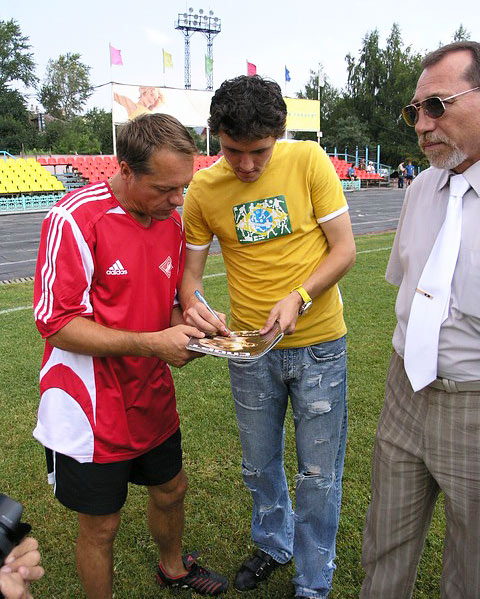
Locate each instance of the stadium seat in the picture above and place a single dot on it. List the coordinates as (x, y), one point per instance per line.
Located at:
(91, 168)
(26, 176)
(200, 161)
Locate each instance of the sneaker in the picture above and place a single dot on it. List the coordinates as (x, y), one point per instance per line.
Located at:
(255, 570)
(201, 580)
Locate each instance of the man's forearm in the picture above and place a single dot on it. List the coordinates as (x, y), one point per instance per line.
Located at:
(177, 316)
(340, 257)
(190, 283)
(195, 312)
(192, 277)
(331, 270)
(84, 336)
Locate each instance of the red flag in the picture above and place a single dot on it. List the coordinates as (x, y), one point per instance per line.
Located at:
(251, 69)
(115, 56)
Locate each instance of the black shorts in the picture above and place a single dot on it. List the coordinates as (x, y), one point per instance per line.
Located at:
(101, 489)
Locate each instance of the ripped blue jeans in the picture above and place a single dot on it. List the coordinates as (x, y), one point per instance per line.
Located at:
(315, 379)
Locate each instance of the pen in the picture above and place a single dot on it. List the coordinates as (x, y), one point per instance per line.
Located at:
(199, 296)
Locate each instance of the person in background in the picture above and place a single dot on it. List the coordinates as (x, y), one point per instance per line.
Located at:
(409, 173)
(401, 175)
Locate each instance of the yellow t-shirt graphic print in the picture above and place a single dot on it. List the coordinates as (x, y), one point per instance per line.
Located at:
(262, 219)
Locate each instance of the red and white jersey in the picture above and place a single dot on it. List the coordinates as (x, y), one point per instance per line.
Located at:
(96, 261)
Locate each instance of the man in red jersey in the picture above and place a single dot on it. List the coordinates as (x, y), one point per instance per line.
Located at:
(110, 261)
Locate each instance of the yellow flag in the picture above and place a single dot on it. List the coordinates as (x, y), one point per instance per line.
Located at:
(167, 60)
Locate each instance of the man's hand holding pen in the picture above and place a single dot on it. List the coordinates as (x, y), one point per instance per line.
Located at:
(201, 315)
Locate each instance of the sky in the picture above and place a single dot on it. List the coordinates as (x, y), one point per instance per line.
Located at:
(271, 34)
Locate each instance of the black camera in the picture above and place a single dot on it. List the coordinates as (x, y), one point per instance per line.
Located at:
(12, 530)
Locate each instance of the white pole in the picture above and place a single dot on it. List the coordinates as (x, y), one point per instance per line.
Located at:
(111, 83)
(321, 82)
(163, 58)
(113, 128)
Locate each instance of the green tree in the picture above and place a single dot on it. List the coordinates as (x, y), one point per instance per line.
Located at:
(380, 82)
(365, 77)
(99, 123)
(332, 108)
(70, 137)
(66, 87)
(348, 132)
(17, 133)
(16, 62)
(201, 142)
(329, 97)
(51, 136)
(88, 134)
(367, 112)
(461, 34)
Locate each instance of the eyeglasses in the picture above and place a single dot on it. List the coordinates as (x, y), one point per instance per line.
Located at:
(433, 107)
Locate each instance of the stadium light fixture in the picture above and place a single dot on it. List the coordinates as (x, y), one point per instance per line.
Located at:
(191, 22)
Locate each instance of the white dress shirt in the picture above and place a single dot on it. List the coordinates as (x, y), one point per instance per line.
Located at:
(422, 216)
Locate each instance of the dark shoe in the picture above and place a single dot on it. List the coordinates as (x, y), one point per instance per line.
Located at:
(254, 570)
(199, 579)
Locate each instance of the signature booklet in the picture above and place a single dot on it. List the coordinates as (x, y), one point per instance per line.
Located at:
(241, 345)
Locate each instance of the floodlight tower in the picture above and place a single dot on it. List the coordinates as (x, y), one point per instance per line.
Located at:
(210, 26)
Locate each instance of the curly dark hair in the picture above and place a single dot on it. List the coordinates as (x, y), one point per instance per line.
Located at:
(248, 108)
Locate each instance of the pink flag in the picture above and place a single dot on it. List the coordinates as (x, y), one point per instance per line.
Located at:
(251, 69)
(115, 56)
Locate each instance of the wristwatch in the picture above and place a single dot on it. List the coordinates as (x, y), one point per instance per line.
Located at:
(307, 300)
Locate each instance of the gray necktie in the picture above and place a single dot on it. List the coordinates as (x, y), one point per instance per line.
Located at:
(432, 297)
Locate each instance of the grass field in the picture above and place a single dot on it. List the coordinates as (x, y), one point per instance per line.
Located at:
(217, 506)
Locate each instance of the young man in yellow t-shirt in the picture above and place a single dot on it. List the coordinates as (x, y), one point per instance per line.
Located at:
(279, 213)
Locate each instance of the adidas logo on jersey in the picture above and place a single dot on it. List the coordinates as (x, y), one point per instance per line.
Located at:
(166, 266)
(117, 269)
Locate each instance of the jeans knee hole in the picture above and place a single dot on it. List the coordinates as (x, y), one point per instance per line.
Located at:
(320, 407)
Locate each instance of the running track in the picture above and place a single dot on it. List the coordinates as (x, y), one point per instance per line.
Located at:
(371, 211)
